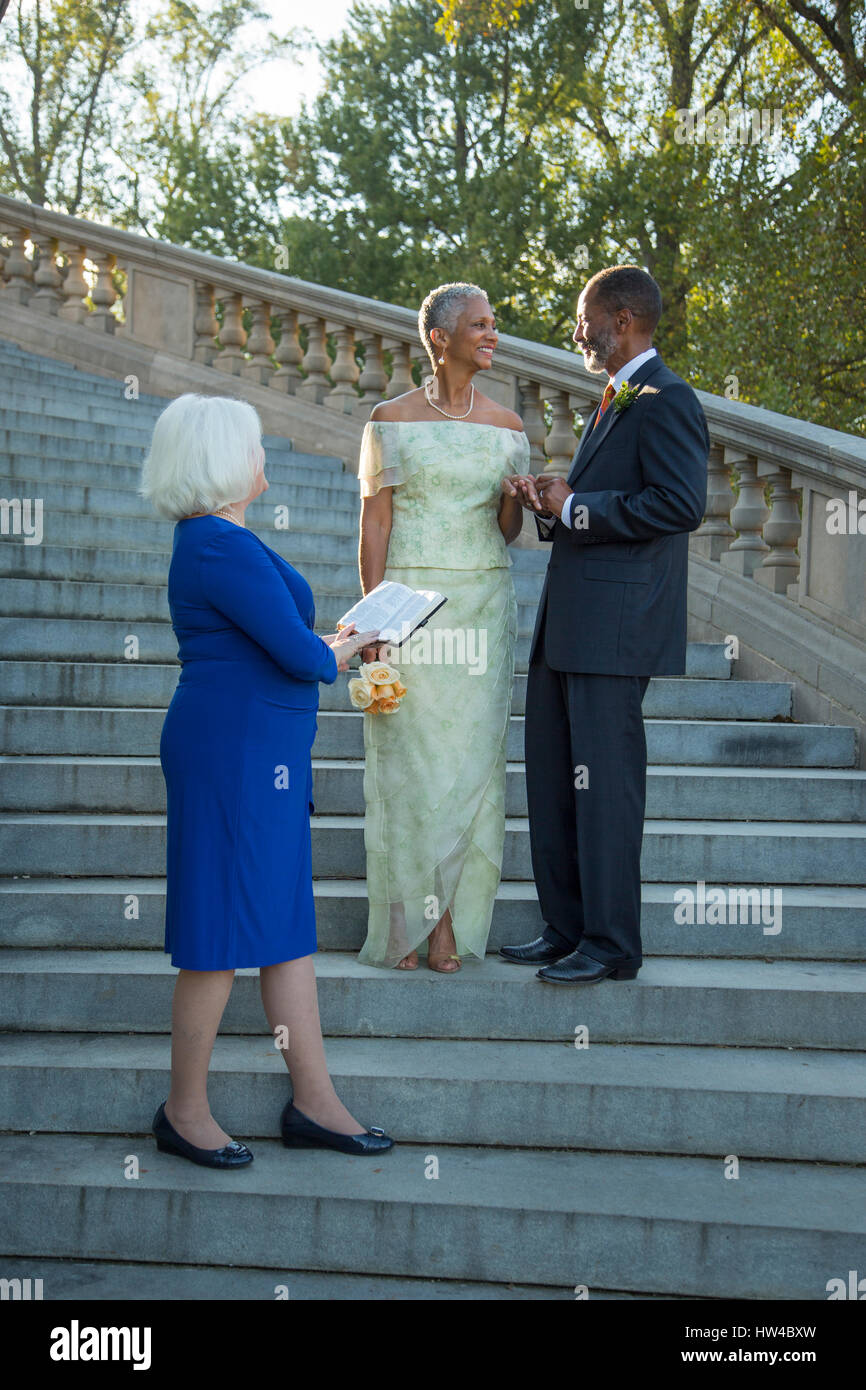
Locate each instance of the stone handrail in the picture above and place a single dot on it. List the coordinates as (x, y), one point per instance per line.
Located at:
(785, 500)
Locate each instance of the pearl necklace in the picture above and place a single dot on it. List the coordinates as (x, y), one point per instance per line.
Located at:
(445, 412)
(228, 514)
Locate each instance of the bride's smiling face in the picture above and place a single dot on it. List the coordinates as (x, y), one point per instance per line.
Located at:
(475, 338)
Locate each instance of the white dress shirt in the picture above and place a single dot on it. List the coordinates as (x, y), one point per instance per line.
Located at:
(616, 382)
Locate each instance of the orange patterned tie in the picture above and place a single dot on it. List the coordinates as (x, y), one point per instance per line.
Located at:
(606, 399)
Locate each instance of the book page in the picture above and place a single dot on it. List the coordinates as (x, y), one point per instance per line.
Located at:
(393, 610)
(377, 609)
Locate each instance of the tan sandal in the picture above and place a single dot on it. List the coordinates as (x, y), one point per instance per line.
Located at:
(434, 963)
(401, 964)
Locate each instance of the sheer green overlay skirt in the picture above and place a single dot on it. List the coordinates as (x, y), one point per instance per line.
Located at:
(434, 777)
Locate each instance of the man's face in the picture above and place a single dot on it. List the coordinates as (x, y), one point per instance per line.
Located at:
(594, 333)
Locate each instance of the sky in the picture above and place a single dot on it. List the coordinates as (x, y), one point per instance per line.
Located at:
(279, 88)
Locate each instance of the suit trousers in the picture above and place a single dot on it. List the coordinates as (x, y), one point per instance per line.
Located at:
(586, 787)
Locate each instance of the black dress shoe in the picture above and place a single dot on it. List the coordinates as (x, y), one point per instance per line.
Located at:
(231, 1155)
(537, 952)
(301, 1133)
(578, 969)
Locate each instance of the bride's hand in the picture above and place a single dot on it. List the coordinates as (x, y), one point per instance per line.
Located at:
(522, 486)
(511, 486)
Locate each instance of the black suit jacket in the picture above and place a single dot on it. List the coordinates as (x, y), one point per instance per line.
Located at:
(615, 592)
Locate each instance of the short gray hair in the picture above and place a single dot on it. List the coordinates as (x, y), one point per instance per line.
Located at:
(628, 287)
(442, 309)
(203, 455)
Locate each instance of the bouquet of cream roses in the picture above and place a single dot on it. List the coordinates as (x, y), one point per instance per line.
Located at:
(378, 688)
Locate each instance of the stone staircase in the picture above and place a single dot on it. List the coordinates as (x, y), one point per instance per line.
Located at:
(558, 1165)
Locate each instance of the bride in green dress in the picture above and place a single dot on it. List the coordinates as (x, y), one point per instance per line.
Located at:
(439, 508)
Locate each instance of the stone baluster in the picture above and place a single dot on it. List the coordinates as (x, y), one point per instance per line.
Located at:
(344, 371)
(47, 297)
(715, 532)
(103, 293)
(75, 286)
(233, 336)
(781, 567)
(205, 324)
(534, 428)
(19, 267)
(373, 380)
(288, 353)
(259, 368)
(531, 410)
(560, 442)
(316, 364)
(401, 379)
(747, 517)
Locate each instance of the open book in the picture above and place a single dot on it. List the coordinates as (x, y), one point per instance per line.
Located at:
(393, 610)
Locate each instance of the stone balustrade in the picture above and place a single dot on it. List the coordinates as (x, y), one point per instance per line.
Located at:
(786, 506)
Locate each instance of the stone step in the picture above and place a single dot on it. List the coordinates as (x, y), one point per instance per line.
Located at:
(111, 732)
(337, 490)
(44, 410)
(128, 532)
(22, 377)
(39, 474)
(26, 387)
(121, 684)
(110, 460)
(119, 428)
(755, 1102)
(70, 600)
(816, 923)
(79, 414)
(146, 567)
(113, 1281)
(67, 600)
(133, 785)
(87, 564)
(607, 1220)
(757, 852)
(87, 451)
(52, 639)
(20, 366)
(707, 1002)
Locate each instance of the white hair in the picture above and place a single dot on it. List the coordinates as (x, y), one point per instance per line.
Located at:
(204, 454)
(442, 308)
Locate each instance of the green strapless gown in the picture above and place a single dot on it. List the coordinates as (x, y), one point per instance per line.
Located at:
(434, 778)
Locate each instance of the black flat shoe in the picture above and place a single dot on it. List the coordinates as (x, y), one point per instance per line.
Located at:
(578, 969)
(231, 1155)
(300, 1133)
(537, 952)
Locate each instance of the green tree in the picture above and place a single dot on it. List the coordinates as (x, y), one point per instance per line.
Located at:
(59, 66)
(427, 158)
(760, 248)
(195, 166)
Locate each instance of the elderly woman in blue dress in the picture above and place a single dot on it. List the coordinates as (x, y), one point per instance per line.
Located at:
(235, 753)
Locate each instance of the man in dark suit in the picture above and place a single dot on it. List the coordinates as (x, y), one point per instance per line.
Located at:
(612, 614)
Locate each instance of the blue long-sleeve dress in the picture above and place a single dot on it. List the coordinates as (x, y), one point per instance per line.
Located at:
(235, 751)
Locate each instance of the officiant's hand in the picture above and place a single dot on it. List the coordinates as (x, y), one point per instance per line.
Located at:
(347, 642)
(522, 486)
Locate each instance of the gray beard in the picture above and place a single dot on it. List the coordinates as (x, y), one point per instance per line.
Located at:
(595, 359)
